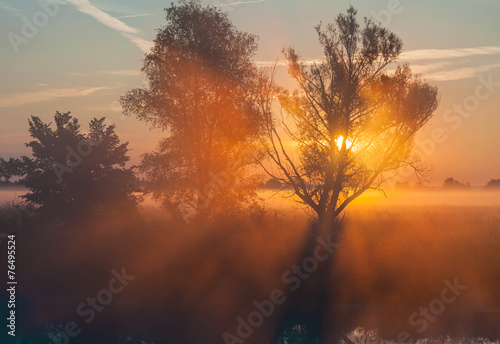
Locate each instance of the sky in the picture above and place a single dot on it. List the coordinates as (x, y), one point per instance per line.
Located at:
(82, 55)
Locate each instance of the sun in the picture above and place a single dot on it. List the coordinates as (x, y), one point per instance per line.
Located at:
(339, 141)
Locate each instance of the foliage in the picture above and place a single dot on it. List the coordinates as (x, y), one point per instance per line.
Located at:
(71, 175)
(353, 121)
(201, 90)
(15, 216)
(493, 184)
(273, 184)
(451, 183)
(7, 169)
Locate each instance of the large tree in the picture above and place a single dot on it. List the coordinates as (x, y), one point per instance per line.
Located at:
(72, 176)
(353, 121)
(201, 89)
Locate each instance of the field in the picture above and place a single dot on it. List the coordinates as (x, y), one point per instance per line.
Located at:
(396, 255)
(398, 250)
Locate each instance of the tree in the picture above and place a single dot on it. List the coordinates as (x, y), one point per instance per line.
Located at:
(4, 175)
(7, 169)
(202, 88)
(353, 121)
(402, 186)
(72, 176)
(451, 183)
(273, 184)
(493, 184)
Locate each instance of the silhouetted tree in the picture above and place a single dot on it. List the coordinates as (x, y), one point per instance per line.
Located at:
(7, 169)
(4, 175)
(72, 176)
(351, 125)
(402, 186)
(451, 183)
(201, 90)
(353, 122)
(273, 184)
(493, 184)
(420, 186)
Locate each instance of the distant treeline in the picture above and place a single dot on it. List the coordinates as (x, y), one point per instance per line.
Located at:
(448, 184)
(9, 183)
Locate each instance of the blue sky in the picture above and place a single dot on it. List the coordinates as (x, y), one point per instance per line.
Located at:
(84, 54)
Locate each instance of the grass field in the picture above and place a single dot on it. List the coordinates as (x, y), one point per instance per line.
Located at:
(394, 257)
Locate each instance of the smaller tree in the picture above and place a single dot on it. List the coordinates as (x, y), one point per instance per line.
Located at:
(451, 183)
(493, 184)
(73, 176)
(402, 186)
(273, 184)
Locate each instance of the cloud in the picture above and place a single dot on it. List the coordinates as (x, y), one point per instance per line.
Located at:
(425, 68)
(122, 72)
(430, 67)
(460, 73)
(125, 30)
(5, 6)
(451, 57)
(434, 54)
(142, 44)
(284, 63)
(425, 54)
(24, 98)
(231, 3)
(278, 63)
(135, 15)
(79, 74)
(86, 7)
(125, 72)
(431, 70)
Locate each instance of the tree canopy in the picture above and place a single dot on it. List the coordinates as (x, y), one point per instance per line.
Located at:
(451, 183)
(72, 175)
(352, 120)
(493, 184)
(201, 89)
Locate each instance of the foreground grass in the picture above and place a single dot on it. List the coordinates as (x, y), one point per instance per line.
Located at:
(392, 261)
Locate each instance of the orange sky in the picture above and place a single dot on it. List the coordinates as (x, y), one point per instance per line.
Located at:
(88, 53)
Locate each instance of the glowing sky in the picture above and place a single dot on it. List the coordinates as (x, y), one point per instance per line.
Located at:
(82, 55)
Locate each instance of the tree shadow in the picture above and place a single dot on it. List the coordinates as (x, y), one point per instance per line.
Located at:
(306, 317)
